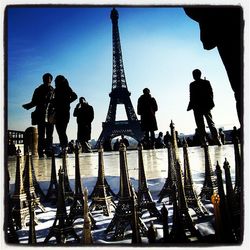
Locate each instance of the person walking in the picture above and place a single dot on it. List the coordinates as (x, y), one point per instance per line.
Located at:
(41, 99)
(84, 114)
(146, 108)
(64, 96)
(201, 101)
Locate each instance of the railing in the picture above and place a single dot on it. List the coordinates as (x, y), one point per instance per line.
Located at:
(15, 137)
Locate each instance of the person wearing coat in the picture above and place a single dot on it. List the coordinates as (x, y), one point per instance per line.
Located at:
(146, 108)
(84, 114)
(41, 99)
(201, 101)
(64, 96)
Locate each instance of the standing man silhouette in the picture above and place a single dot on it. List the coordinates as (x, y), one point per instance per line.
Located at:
(146, 108)
(41, 99)
(84, 114)
(201, 101)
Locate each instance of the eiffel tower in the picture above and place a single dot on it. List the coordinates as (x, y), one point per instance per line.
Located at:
(119, 95)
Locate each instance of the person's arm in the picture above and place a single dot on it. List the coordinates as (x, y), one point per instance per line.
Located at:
(190, 104)
(91, 114)
(33, 102)
(155, 106)
(210, 96)
(210, 90)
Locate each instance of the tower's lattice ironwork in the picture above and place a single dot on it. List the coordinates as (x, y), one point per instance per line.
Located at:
(192, 198)
(145, 200)
(20, 209)
(209, 185)
(127, 207)
(101, 196)
(119, 95)
(62, 227)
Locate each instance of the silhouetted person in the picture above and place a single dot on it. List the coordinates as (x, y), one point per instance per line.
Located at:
(41, 99)
(159, 143)
(71, 147)
(201, 101)
(84, 114)
(179, 142)
(222, 136)
(235, 134)
(107, 144)
(189, 141)
(167, 138)
(116, 145)
(222, 27)
(124, 141)
(146, 108)
(64, 95)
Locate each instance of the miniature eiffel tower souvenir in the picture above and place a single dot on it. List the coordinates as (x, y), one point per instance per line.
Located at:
(101, 197)
(62, 227)
(174, 142)
(36, 185)
(145, 200)
(87, 235)
(183, 210)
(166, 191)
(152, 233)
(228, 234)
(77, 207)
(125, 208)
(32, 229)
(177, 233)
(20, 210)
(28, 184)
(53, 186)
(238, 167)
(193, 201)
(67, 189)
(164, 215)
(209, 186)
(136, 237)
(233, 203)
(10, 231)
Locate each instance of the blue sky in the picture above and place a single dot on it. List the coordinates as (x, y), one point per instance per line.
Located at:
(160, 48)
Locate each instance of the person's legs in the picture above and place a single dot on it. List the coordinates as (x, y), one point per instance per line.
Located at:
(212, 127)
(61, 128)
(152, 135)
(41, 139)
(152, 138)
(62, 120)
(49, 138)
(199, 120)
(146, 135)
